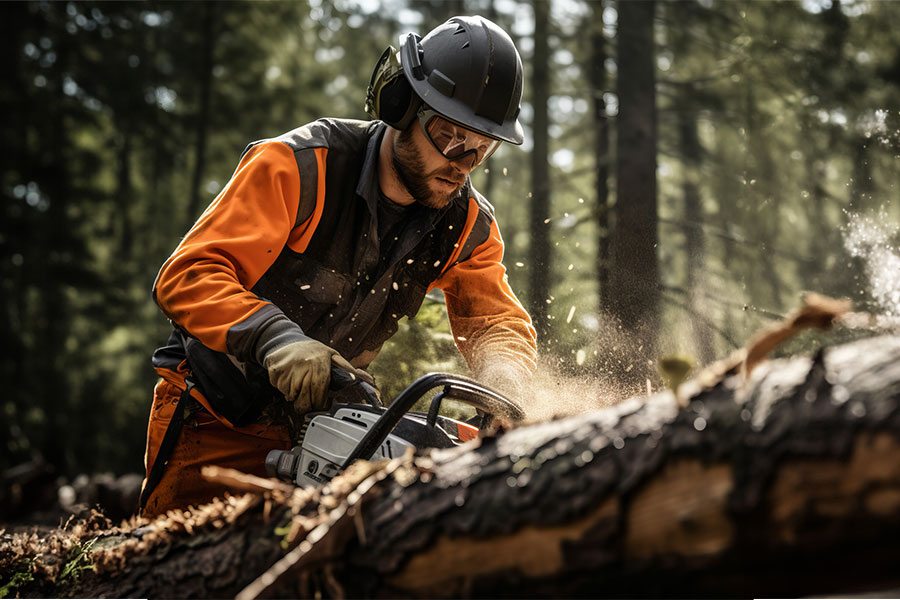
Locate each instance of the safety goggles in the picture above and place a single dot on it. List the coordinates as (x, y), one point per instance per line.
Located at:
(455, 141)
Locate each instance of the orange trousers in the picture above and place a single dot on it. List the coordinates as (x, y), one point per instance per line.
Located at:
(204, 440)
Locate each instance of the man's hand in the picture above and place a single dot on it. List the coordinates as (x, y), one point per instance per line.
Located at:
(302, 371)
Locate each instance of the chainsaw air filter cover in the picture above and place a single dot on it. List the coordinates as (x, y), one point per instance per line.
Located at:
(329, 438)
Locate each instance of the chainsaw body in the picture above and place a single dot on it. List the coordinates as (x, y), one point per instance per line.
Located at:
(331, 440)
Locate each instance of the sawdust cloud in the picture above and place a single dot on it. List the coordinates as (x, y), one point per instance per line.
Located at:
(619, 365)
(555, 395)
(873, 239)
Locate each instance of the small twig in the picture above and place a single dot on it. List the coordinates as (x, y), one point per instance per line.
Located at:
(817, 311)
(239, 481)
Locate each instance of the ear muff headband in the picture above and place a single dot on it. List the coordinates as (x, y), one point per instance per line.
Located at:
(389, 96)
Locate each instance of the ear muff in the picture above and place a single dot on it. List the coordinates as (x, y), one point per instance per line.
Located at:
(390, 96)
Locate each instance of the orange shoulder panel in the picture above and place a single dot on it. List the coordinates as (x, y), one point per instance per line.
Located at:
(486, 318)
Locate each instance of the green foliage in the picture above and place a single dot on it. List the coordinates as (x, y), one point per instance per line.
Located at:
(79, 561)
(283, 531)
(22, 577)
(420, 346)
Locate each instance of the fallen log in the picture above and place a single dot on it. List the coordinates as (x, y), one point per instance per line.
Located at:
(787, 483)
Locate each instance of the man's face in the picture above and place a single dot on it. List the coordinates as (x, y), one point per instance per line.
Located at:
(430, 178)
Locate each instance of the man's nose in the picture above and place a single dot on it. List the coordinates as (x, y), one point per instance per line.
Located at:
(465, 164)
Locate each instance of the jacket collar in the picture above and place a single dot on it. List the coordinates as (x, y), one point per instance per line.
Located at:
(367, 188)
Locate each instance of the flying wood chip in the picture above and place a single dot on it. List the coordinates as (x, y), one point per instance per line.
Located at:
(817, 311)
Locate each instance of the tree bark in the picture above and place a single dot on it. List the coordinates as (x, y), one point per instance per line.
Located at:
(789, 484)
(695, 246)
(601, 150)
(634, 277)
(210, 34)
(785, 484)
(540, 259)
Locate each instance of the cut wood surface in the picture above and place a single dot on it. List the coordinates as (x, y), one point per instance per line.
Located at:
(787, 483)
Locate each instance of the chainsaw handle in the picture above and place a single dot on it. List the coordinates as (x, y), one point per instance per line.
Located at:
(341, 379)
(461, 388)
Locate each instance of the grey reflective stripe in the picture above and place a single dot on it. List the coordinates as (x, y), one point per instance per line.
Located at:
(481, 231)
(308, 166)
(322, 133)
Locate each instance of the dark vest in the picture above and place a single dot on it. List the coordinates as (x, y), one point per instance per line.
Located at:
(344, 290)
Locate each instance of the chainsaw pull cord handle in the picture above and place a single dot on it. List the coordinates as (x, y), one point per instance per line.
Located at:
(462, 388)
(341, 379)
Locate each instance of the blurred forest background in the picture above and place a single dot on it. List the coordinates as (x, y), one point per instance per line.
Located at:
(689, 169)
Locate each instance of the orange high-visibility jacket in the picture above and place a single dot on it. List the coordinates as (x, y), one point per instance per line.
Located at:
(289, 250)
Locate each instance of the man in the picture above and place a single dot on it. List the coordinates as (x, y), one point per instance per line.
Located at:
(323, 239)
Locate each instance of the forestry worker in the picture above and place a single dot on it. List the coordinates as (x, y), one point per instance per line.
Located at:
(325, 237)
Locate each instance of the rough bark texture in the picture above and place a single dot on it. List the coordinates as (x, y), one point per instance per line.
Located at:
(786, 484)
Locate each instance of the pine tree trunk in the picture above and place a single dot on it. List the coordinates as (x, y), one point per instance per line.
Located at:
(210, 34)
(540, 256)
(695, 246)
(601, 150)
(634, 277)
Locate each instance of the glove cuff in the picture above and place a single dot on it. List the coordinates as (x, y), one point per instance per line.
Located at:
(277, 333)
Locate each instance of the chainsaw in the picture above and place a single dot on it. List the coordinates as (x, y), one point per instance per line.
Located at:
(330, 441)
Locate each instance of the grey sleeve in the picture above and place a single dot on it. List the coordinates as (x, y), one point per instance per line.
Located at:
(262, 332)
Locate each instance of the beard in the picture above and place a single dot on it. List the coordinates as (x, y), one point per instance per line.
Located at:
(410, 169)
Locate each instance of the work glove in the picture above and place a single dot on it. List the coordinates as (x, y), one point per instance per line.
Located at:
(302, 371)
